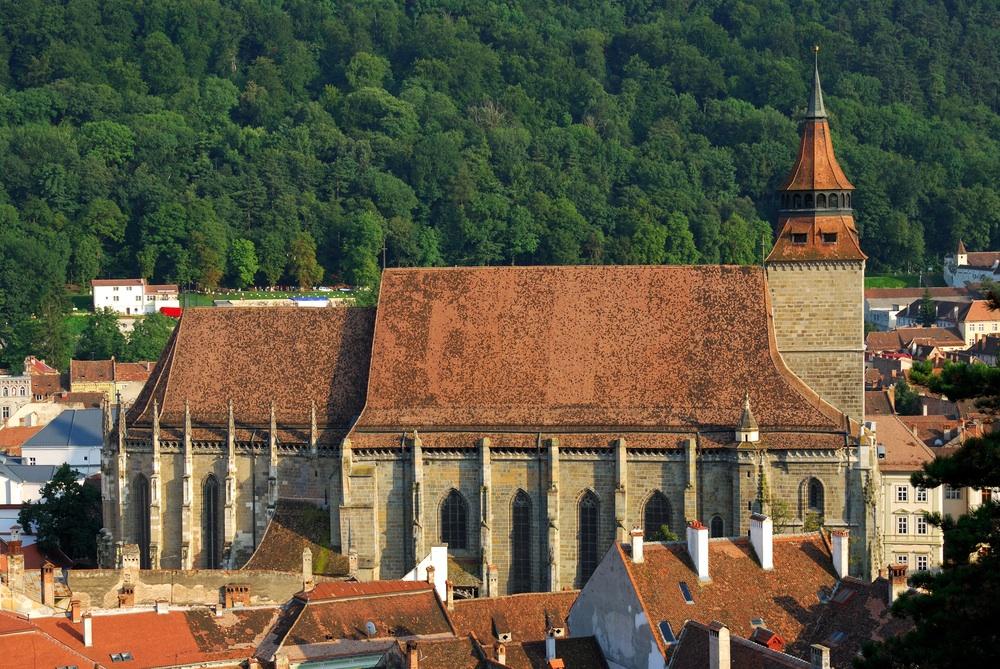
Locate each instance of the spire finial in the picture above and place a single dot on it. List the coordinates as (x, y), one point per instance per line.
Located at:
(816, 108)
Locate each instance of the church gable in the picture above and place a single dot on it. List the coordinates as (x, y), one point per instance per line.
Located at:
(580, 346)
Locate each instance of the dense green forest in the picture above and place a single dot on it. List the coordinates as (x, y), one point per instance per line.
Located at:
(262, 142)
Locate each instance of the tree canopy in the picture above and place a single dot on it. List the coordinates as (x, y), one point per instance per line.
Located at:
(66, 517)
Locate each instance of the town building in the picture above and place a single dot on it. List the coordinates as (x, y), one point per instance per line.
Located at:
(908, 339)
(907, 536)
(962, 267)
(20, 483)
(525, 416)
(74, 437)
(115, 381)
(15, 392)
(883, 305)
(133, 297)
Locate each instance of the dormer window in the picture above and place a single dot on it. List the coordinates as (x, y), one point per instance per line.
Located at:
(829, 237)
(799, 238)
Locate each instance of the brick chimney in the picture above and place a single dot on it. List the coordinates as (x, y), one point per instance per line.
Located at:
(412, 655)
(718, 646)
(839, 544)
(897, 581)
(74, 611)
(556, 663)
(450, 597)
(697, 545)
(637, 545)
(819, 657)
(430, 574)
(88, 629)
(307, 569)
(237, 594)
(126, 597)
(762, 539)
(48, 584)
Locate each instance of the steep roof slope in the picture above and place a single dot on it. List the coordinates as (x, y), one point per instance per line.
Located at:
(609, 346)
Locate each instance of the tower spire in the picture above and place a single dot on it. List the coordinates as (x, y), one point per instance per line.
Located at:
(816, 108)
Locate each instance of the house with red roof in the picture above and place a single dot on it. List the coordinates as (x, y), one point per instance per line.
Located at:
(133, 297)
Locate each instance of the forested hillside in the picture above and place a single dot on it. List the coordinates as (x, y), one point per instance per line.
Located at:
(307, 141)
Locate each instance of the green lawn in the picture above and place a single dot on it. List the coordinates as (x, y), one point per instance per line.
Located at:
(903, 281)
(207, 300)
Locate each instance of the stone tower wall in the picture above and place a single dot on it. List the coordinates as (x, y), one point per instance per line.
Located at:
(818, 312)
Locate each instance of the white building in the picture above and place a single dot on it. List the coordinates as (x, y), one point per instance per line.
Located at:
(133, 297)
(907, 537)
(74, 437)
(962, 267)
(22, 483)
(15, 392)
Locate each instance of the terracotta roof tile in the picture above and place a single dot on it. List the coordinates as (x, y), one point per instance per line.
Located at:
(814, 231)
(341, 610)
(526, 615)
(904, 452)
(983, 259)
(816, 166)
(11, 438)
(91, 371)
(294, 526)
(877, 403)
(289, 356)
(901, 338)
(579, 346)
(917, 293)
(133, 371)
(691, 652)
(117, 282)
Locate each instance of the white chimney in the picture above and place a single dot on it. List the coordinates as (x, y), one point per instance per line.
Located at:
(718, 646)
(762, 539)
(697, 541)
(550, 646)
(88, 630)
(897, 581)
(162, 607)
(923, 408)
(839, 540)
(819, 657)
(501, 653)
(637, 541)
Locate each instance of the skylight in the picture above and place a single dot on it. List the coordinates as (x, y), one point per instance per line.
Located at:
(758, 622)
(124, 656)
(686, 592)
(667, 632)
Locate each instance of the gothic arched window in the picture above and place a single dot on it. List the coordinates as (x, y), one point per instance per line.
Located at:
(833, 201)
(520, 543)
(211, 515)
(815, 495)
(655, 516)
(140, 507)
(454, 519)
(717, 527)
(587, 545)
(5, 391)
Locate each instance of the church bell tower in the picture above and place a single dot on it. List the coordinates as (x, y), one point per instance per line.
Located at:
(815, 270)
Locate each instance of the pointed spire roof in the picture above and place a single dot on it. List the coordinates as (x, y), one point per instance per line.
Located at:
(961, 247)
(816, 108)
(747, 422)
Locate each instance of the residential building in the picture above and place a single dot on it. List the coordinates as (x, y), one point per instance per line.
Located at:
(46, 380)
(907, 536)
(116, 381)
(795, 586)
(15, 392)
(20, 483)
(11, 439)
(907, 339)
(74, 437)
(962, 267)
(133, 297)
(883, 305)
(974, 320)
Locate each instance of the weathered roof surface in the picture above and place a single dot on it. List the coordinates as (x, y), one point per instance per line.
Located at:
(815, 246)
(11, 438)
(28, 473)
(22, 644)
(901, 338)
(343, 610)
(117, 282)
(91, 371)
(877, 403)
(527, 616)
(174, 638)
(816, 166)
(904, 452)
(580, 346)
(982, 259)
(254, 357)
(73, 427)
(691, 652)
(297, 525)
(133, 371)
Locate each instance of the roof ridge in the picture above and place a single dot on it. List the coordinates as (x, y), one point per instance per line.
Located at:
(627, 562)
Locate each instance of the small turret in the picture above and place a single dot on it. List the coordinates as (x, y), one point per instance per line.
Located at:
(747, 429)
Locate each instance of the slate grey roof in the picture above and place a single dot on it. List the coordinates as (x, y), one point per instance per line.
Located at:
(28, 473)
(73, 427)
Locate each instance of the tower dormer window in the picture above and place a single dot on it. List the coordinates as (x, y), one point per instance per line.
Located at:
(799, 238)
(829, 237)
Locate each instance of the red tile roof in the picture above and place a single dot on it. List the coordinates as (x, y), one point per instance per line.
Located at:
(158, 640)
(117, 282)
(11, 438)
(904, 452)
(877, 403)
(816, 166)
(295, 526)
(525, 615)
(24, 645)
(92, 371)
(580, 346)
(133, 371)
(815, 247)
(254, 357)
(916, 293)
(342, 610)
(901, 338)
(691, 652)
(156, 289)
(982, 259)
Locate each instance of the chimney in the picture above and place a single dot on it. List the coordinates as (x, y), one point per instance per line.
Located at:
(281, 661)
(492, 580)
(412, 655)
(839, 544)
(718, 646)
(307, 569)
(697, 541)
(762, 539)
(74, 610)
(162, 607)
(923, 408)
(550, 646)
(556, 663)
(430, 574)
(637, 541)
(501, 653)
(897, 581)
(450, 597)
(126, 596)
(48, 587)
(819, 657)
(88, 630)
(352, 562)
